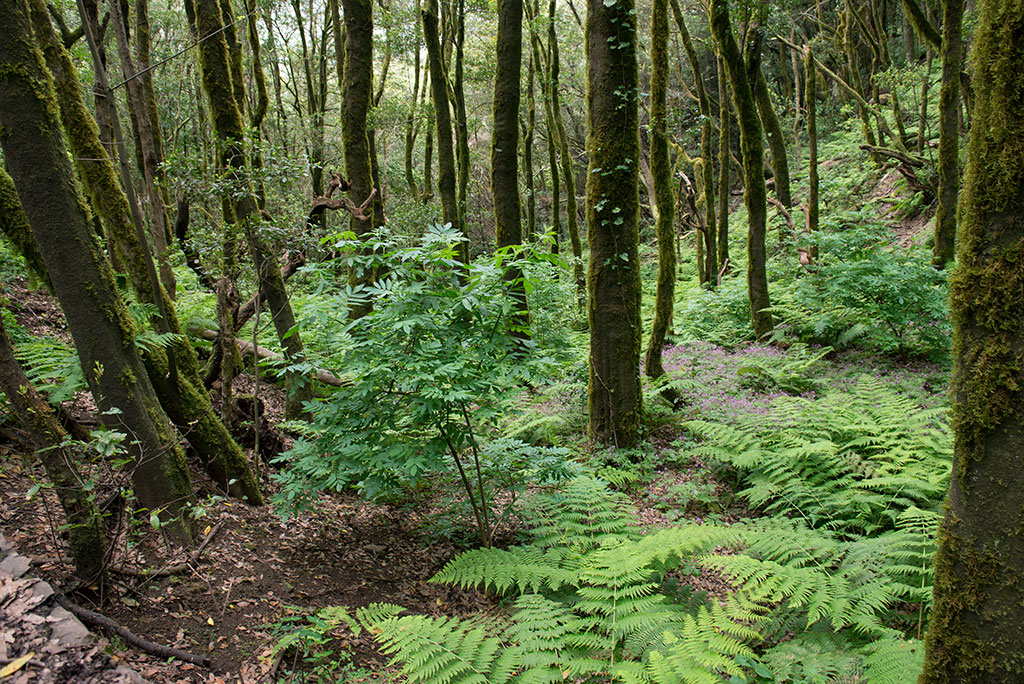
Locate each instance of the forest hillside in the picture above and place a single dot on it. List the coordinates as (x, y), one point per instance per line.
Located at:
(448, 342)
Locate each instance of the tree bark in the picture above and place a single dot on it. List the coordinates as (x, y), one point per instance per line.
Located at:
(613, 212)
(754, 194)
(14, 226)
(724, 159)
(568, 176)
(358, 91)
(99, 322)
(508, 229)
(776, 139)
(181, 392)
(974, 633)
(949, 132)
(664, 198)
(84, 525)
(443, 126)
(811, 89)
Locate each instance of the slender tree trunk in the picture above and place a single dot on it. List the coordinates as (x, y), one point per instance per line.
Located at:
(724, 159)
(508, 227)
(974, 633)
(949, 138)
(36, 156)
(147, 136)
(664, 198)
(443, 126)
(568, 177)
(776, 139)
(528, 131)
(613, 212)
(410, 120)
(811, 81)
(14, 226)
(84, 525)
(358, 90)
(754, 194)
(216, 60)
(461, 119)
(709, 265)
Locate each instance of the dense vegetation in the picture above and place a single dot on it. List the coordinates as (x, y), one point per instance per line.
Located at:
(261, 285)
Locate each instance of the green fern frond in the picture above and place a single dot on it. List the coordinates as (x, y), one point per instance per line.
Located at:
(892, 661)
(524, 568)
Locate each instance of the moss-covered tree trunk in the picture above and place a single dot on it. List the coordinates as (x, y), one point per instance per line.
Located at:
(565, 157)
(508, 228)
(446, 174)
(949, 131)
(776, 139)
(529, 128)
(811, 90)
(410, 119)
(613, 212)
(99, 322)
(14, 226)
(709, 266)
(458, 97)
(356, 97)
(754, 194)
(724, 159)
(181, 393)
(664, 198)
(218, 61)
(84, 525)
(974, 633)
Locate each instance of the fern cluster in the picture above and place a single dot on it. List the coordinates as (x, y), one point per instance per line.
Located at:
(850, 461)
(594, 600)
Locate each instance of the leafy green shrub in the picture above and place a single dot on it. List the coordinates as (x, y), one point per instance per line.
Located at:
(431, 370)
(862, 287)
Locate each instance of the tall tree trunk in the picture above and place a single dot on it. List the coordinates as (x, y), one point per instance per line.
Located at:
(974, 633)
(949, 138)
(613, 213)
(776, 139)
(709, 235)
(147, 135)
(216, 60)
(181, 393)
(84, 525)
(724, 159)
(811, 81)
(358, 90)
(443, 126)
(14, 226)
(508, 229)
(664, 198)
(461, 120)
(410, 120)
(36, 156)
(754, 194)
(568, 177)
(528, 131)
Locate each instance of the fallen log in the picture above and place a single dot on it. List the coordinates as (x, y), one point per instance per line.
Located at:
(248, 349)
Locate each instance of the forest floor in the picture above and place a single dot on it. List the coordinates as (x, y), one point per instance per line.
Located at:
(258, 577)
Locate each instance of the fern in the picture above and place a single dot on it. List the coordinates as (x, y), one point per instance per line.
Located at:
(892, 661)
(52, 366)
(850, 461)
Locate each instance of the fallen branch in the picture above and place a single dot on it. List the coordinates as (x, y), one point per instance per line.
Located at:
(144, 645)
(903, 157)
(247, 348)
(169, 570)
(785, 213)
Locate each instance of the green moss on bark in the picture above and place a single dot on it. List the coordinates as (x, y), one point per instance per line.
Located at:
(613, 201)
(974, 634)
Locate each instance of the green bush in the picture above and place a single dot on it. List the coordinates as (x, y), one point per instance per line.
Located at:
(431, 370)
